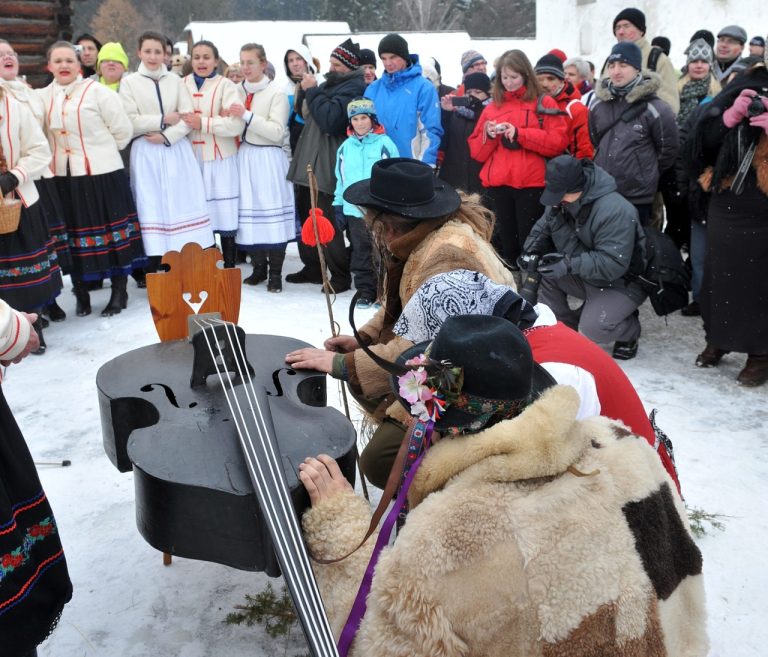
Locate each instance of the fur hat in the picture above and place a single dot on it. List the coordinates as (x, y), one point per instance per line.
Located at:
(699, 51)
(112, 52)
(362, 106)
(348, 53)
(394, 44)
(628, 53)
(735, 32)
(550, 65)
(634, 16)
(469, 58)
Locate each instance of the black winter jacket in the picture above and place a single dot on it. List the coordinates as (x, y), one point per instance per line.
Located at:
(634, 152)
(458, 168)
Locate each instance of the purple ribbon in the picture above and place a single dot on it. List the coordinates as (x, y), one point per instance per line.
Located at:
(360, 605)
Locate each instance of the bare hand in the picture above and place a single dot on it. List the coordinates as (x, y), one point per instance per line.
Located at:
(490, 129)
(510, 132)
(172, 118)
(311, 359)
(322, 478)
(341, 344)
(192, 120)
(446, 103)
(234, 110)
(33, 343)
(308, 81)
(154, 138)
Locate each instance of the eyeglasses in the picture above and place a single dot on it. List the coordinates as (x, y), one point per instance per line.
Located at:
(12, 55)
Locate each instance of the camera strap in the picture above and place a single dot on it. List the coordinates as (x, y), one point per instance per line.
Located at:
(737, 187)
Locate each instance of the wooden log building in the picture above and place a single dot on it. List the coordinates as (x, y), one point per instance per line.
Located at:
(31, 26)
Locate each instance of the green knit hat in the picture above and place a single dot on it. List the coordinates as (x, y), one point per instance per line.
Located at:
(112, 52)
(361, 106)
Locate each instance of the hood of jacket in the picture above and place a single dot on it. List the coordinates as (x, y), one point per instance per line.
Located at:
(302, 50)
(599, 182)
(400, 78)
(543, 441)
(647, 88)
(567, 94)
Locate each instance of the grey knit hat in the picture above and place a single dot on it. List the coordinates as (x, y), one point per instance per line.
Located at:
(735, 32)
(470, 58)
(699, 51)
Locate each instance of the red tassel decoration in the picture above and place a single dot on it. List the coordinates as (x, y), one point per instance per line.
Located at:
(325, 229)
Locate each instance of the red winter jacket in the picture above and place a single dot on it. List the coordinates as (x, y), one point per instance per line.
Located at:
(577, 118)
(521, 167)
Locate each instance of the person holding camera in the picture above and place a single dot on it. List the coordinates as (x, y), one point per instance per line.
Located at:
(590, 245)
(728, 153)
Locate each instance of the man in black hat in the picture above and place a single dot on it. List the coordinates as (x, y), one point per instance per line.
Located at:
(422, 227)
(590, 243)
(515, 507)
(757, 47)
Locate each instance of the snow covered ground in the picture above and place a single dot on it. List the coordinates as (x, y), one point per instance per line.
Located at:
(127, 604)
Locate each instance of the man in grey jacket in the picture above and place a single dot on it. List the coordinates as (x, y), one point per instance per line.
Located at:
(591, 246)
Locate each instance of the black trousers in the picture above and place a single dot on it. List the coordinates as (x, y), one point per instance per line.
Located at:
(516, 211)
(336, 254)
(361, 261)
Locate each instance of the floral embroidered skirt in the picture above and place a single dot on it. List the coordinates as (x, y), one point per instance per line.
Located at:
(102, 226)
(30, 277)
(53, 211)
(34, 582)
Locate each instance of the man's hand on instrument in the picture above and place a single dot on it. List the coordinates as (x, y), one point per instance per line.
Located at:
(341, 344)
(322, 478)
(311, 359)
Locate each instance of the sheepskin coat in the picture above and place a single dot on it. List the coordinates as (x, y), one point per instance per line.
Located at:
(543, 536)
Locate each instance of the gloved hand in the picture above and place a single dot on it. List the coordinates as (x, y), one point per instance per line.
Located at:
(738, 111)
(338, 215)
(554, 265)
(8, 182)
(761, 120)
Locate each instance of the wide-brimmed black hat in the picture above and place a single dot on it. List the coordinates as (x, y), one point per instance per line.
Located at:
(500, 377)
(405, 187)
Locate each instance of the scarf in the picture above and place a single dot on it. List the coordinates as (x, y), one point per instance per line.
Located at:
(692, 93)
(252, 88)
(59, 95)
(155, 75)
(618, 92)
(201, 81)
(110, 85)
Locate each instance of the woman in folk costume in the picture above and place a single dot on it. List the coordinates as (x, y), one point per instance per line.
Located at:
(86, 127)
(49, 202)
(214, 141)
(34, 582)
(266, 220)
(29, 274)
(528, 531)
(165, 178)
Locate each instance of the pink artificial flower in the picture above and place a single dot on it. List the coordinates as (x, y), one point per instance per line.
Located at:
(412, 387)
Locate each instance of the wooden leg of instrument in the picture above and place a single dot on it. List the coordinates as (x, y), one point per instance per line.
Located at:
(167, 558)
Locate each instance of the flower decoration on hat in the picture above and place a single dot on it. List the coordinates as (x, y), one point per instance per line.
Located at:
(430, 386)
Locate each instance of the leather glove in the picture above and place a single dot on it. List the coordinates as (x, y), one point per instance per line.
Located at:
(554, 265)
(761, 120)
(338, 215)
(8, 182)
(738, 111)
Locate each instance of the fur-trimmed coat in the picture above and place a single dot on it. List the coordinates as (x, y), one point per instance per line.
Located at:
(634, 152)
(509, 550)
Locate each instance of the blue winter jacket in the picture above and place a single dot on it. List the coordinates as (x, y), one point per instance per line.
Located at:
(408, 108)
(354, 160)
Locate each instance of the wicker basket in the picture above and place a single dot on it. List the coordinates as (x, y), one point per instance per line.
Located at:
(10, 212)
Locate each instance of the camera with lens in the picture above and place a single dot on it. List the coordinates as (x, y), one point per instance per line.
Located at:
(756, 107)
(529, 268)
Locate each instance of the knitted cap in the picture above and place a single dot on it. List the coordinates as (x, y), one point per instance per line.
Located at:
(361, 106)
(478, 81)
(367, 56)
(663, 43)
(699, 51)
(112, 52)
(628, 53)
(394, 44)
(706, 35)
(470, 58)
(735, 32)
(348, 53)
(757, 41)
(634, 16)
(559, 54)
(550, 65)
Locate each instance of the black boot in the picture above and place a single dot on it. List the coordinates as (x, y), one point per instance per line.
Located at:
(80, 290)
(259, 262)
(38, 326)
(55, 312)
(276, 259)
(118, 300)
(140, 276)
(228, 251)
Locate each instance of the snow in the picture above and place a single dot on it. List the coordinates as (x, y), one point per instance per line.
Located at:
(127, 604)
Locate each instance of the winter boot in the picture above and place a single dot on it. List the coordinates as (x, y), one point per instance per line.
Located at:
(624, 350)
(276, 259)
(710, 357)
(140, 276)
(80, 290)
(755, 372)
(38, 326)
(54, 312)
(118, 300)
(229, 251)
(259, 262)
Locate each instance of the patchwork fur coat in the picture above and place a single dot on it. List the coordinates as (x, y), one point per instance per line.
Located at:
(542, 536)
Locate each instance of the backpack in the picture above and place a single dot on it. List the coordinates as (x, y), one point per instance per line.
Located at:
(666, 279)
(653, 58)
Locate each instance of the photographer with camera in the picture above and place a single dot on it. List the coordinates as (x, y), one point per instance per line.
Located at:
(728, 153)
(591, 246)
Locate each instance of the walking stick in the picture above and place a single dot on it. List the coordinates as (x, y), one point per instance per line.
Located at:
(328, 290)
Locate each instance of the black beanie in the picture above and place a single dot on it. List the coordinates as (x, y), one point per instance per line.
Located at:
(367, 56)
(395, 45)
(663, 43)
(478, 81)
(634, 16)
(628, 53)
(551, 65)
(706, 35)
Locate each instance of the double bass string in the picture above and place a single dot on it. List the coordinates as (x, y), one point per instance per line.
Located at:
(290, 547)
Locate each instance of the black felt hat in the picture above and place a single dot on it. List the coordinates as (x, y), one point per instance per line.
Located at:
(497, 366)
(405, 187)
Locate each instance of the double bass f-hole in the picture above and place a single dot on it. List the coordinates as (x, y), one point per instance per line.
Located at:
(170, 395)
(278, 392)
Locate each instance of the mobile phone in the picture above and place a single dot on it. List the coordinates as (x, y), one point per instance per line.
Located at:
(460, 101)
